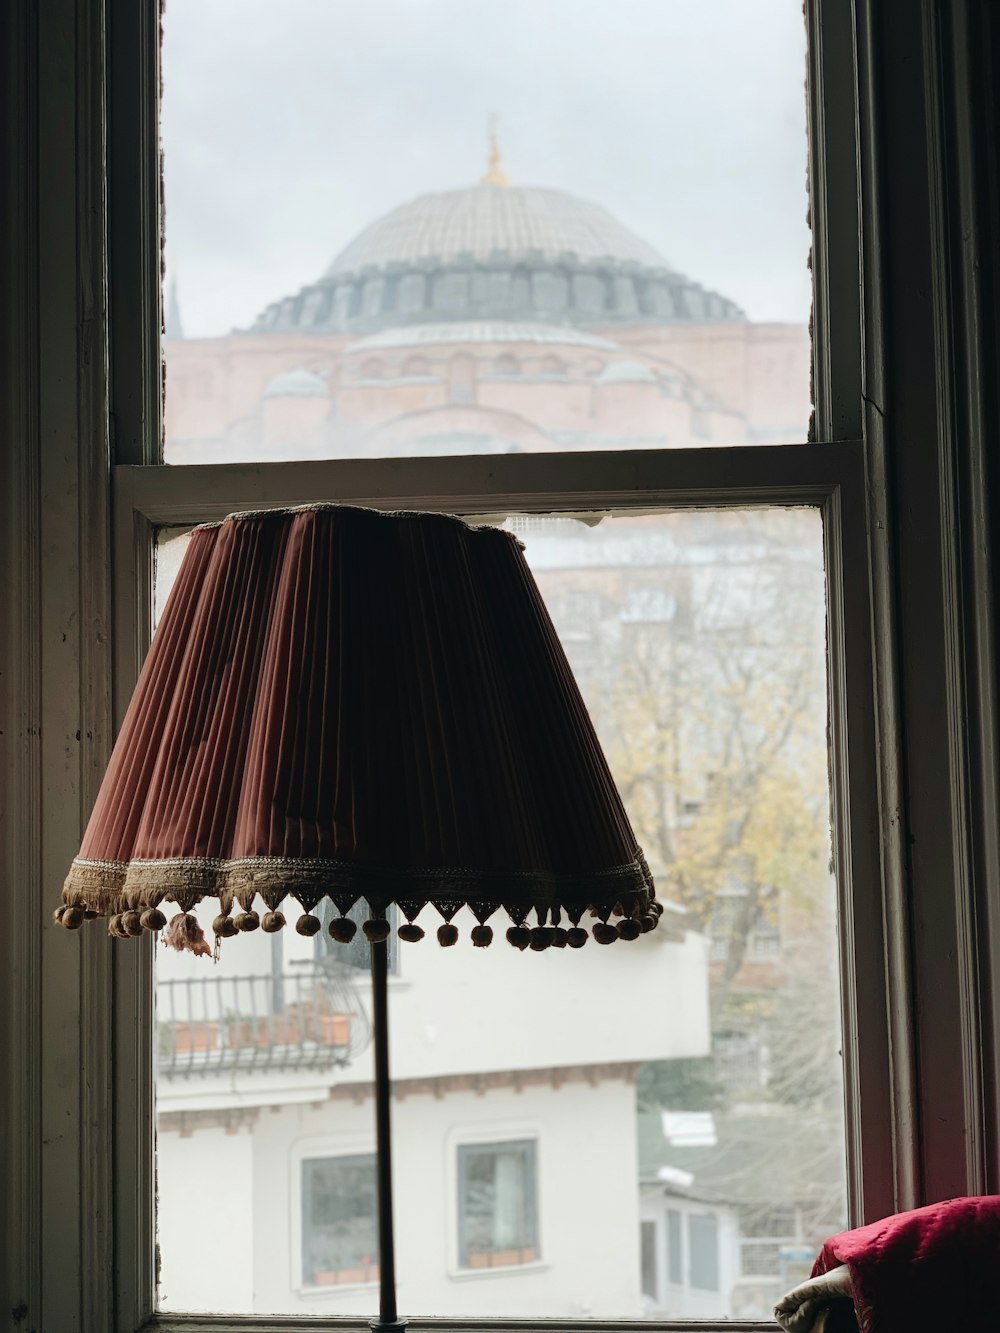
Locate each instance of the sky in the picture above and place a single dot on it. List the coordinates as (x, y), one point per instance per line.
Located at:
(288, 126)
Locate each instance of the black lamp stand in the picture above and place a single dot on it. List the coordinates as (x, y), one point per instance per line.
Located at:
(388, 1318)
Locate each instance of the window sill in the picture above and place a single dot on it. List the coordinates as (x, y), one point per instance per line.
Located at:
(498, 1270)
(318, 1289)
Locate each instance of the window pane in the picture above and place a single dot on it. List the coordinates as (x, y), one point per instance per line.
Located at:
(356, 267)
(647, 1250)
(339, 1230)
(496, 1205)
(675, 1250)
(547, 1105)
(703, 1243)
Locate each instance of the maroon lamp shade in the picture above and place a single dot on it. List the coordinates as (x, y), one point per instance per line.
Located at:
(349, 704)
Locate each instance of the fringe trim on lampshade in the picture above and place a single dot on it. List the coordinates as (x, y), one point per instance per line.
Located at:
(129, 894)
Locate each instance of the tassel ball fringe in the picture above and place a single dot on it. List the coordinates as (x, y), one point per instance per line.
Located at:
(184, 932)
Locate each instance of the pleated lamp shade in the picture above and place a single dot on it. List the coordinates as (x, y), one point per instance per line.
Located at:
(340, 703)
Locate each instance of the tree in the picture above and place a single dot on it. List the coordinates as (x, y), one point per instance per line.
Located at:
(704, 670)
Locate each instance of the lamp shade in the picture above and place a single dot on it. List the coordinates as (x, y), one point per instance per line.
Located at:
(350, 704)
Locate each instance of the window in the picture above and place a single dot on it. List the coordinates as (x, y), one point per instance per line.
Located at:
(355, 954)
(647, 1250)
(693, 1261)
(675, 1247)
(339, 1223)
(703, 1244)
(599, 486)
(497, 1210)
(919, 1128)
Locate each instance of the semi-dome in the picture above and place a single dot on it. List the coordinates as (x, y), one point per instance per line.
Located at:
(626, 372)
(296, 383)
(496, 252)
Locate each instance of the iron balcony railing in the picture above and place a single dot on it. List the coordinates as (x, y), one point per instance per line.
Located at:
(306, 1018)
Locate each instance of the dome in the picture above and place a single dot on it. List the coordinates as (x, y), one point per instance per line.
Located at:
(496, 253)
(626, 372)
(297, 383)
(486, 221)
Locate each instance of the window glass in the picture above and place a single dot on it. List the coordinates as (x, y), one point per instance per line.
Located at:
(647, 1244)
(497, 1216)
(699, 1066)
(355, 953)
(703, 1243)
(339, 1230)
(675, 1248)
(338, 199)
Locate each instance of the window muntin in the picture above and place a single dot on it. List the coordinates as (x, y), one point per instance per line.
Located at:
(497, 1209)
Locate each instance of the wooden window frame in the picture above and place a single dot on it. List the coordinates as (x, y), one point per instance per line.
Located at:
(901, 413)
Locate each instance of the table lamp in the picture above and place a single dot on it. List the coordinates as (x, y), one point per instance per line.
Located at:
(346, 704)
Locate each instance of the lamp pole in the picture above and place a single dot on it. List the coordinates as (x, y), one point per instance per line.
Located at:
(388, 1318)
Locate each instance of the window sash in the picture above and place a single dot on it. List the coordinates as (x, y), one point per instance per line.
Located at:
(829, 477)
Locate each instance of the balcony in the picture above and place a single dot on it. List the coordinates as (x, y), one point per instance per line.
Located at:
(306, 1018)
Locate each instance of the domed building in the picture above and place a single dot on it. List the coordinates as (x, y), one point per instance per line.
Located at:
(494, 318)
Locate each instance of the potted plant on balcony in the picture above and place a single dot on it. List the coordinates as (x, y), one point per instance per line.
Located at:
(269, 1030)
(195, 1036)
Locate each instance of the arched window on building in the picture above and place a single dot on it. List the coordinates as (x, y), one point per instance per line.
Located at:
(462, 379)
(507, 365)
(416, 367)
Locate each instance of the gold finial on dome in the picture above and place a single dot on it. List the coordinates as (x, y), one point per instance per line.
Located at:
(494, 174)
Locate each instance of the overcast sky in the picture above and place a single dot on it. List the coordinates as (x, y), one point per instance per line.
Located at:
(288, 125)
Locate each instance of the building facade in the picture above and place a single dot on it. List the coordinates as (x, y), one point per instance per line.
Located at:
(495, 318)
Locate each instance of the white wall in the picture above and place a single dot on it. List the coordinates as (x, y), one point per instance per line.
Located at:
(466, 1010)
(588, 1206)
(205, 1200)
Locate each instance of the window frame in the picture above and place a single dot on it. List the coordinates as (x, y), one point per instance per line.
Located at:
(893, 96)
(312, 1150)
(462, 1149)
(829, 477)
(147, 494)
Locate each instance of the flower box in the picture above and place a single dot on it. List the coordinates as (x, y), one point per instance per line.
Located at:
(193, 1037)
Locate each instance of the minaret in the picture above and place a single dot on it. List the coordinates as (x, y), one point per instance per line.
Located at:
(172, 327)
(494, 173)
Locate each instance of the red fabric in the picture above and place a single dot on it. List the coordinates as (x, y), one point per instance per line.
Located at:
(932, 1270)
(382, 694)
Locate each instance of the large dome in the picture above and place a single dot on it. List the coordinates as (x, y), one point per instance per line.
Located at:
(496, 252)
(487, 221)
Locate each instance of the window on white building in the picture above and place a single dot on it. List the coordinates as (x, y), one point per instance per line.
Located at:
(647, 1250)
(339, 1221)
(692, 1250)
(497, 1205)
(703, 1251)
(675, 1247)
(355, 954)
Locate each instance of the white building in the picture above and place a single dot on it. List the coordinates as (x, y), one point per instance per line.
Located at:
(516, 1157)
